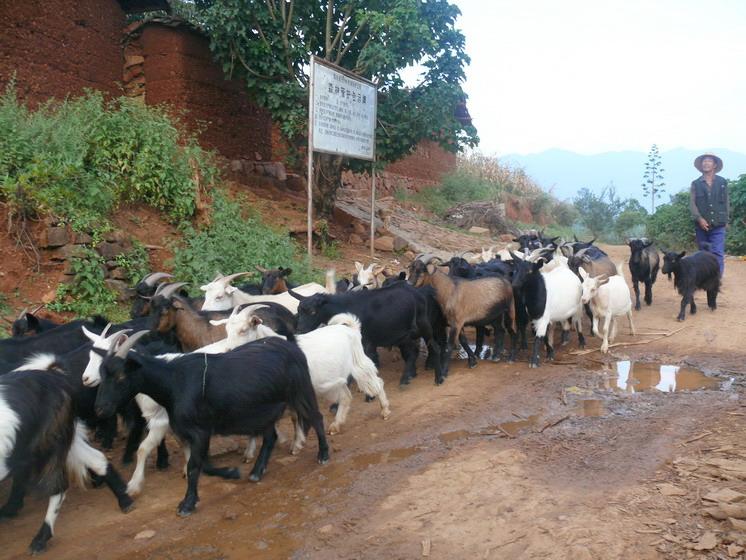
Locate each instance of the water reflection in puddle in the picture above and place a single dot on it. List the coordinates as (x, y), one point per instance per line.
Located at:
(635, 377)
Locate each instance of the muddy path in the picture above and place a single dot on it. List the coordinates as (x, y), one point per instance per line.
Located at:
(584, 458)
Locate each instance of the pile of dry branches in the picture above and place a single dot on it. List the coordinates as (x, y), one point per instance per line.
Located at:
(487, 214)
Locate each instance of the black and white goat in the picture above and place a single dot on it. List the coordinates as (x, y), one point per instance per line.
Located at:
(244, 391)
(41, 442)
(698, 271)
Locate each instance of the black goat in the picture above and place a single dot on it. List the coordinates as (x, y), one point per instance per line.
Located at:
(144, 291)
(698, 271)
(397, 315)
(59, 340)
(42, 443)
(274, 281)
(28, 324)
(643, 266)
(244, 391)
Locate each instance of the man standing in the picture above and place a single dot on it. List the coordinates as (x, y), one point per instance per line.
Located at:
(709, 206)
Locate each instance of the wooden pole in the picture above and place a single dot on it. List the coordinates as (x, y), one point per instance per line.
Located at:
(309, 211)
(373, 210)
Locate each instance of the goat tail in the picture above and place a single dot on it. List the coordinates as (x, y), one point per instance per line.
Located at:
(364, 371)
(346, 319)
(83, 458)
(303, 397)
(619, 268)
(331, 281)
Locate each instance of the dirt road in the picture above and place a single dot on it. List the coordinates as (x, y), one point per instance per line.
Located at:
(581, 459)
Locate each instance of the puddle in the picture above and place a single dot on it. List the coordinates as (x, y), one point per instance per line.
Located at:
(636, 377)
(367, 459)
(511, 428)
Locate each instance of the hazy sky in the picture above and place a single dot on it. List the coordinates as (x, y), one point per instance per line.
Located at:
(600, 75)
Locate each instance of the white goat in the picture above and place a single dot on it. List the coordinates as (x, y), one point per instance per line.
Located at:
(370, 276)
(608, 297)
(220, 295)
(335, 352)
(154, 414)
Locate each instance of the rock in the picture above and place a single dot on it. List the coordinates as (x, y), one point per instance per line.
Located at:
(121, 288)
(295, 182)
(133, 59)
(715, 513)
(725, 495)
(119, 274)
(111, 264)
(506, 237)
(708, 541)
(257, 156)
(385, 243)
(409, 255)
(734, 550)
(478, 230)
(110, 250)
(281, 173)
(734, 510)
(117, 236)
(83, 239)
(670, 490)
(144, 535)
(326, 529)
(359, 228)
(236, 166)
(355, 239)
(737, 524)
(49, 297)
(230, 515)
(68, 252)
(56, 237)
(400, 244)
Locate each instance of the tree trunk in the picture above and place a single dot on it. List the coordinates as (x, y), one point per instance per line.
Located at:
(327, 178)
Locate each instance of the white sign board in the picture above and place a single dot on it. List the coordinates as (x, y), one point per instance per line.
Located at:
(343, 113)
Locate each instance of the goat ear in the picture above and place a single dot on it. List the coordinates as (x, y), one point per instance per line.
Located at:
(358, 266)
(402, 275)
(583, 273)
(647, 244)
(32, 321)
(218, 322)
(287, 271)
(603, 279)
(575, 237)
(255, 321)
(203, 288)
(230, 289)
(681, 255)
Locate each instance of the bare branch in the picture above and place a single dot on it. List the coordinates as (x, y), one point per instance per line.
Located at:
(345, 20)
(271, 8)
(341, 53)
(328, 43)
(237, 54)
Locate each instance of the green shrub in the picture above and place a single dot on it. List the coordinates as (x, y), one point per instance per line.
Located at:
(79, 158)
(135, 263)
(87, 294)
(234, 242)
(735, 239)
(671, 226)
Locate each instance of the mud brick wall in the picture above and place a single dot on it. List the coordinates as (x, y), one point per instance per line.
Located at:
(60, 47)
(179, 70)
(426, 165)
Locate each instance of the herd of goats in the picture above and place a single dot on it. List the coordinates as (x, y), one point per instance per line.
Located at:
(234, 361)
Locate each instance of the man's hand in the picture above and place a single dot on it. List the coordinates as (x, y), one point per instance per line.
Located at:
(703, 224)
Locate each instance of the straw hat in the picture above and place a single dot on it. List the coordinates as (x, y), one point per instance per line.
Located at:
(717, 160)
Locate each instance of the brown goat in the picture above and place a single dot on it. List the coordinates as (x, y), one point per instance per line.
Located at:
(192, 327)
(479, 302)
(600, 266)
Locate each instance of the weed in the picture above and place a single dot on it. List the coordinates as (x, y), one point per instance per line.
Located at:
(87, 294)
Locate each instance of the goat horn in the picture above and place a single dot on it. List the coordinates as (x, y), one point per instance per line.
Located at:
(129, 343)
(250, 309)
(153, 277)
(297, 296)
(260, 269)
(168, 290)
(106, 330)
(22, 314)
(228, 279)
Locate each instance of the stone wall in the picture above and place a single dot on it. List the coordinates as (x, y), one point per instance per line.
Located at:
(58, 48)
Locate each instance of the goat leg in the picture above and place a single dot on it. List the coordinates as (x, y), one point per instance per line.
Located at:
(268, 443)
(469, 352)
(682, 312)
(161, 462)
(712, 296)
(17, 493)
(648, 294)
(47, 528)
(134, 437)
(199, 447)
(636, 286)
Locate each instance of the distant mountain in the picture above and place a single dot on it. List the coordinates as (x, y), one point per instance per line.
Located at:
(564, 173)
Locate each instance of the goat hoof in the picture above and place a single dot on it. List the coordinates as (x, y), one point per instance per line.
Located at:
(368, 398)
(133, 492)
(185, 509)
(680, 319)
(323, 458)
(333, 429)
(693, 311)
(472, 364)
(385, 414)
(39, 544)
(161, 465)
(232, 474)
(253, 477)
(638, 306)
(97, 480)
(439, 380)
(126, 504)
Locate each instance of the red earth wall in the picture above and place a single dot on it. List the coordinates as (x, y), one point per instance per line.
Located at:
(426, 165)
(179, 71)
(59, 48)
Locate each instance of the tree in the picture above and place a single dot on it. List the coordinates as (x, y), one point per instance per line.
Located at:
(632, 217)
(268, 44)
(653, 177)
(597, 211)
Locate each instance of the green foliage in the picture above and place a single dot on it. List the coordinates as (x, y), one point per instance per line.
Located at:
(79, 158)
(735, 239)
(597, 211)
(631, 221)
(268, 44)
(234, 242)
(671, 226)
(87, 295)
(135, 263)
(565, 214)
(653, 184)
